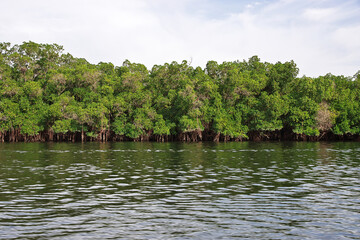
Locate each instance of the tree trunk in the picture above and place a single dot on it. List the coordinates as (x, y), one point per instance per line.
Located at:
(217, 137)
(82, 133)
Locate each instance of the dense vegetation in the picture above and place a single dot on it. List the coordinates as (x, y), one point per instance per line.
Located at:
(48, 95)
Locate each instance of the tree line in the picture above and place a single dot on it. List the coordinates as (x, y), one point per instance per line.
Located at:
(49, 95)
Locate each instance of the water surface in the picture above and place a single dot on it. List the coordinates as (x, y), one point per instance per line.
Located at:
(180, 191)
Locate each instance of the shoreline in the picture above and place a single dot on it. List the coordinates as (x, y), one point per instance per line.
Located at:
(195, 136)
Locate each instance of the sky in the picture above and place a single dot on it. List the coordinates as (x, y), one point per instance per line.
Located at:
(321, 36)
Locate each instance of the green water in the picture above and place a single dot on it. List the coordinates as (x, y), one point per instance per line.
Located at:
(132, 190)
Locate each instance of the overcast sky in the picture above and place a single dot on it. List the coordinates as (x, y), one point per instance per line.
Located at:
(321, 36)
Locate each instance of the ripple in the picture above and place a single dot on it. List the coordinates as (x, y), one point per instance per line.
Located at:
(184, 191)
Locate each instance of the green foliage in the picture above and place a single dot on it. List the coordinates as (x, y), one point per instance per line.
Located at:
(61, 126)
(132, 131)
(188, 124)
(161, 127)
(43, 89)
(118, 126)
(32, 89)
(270, 110)
(302, 116)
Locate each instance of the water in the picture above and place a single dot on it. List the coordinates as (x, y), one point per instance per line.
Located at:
(180, 191)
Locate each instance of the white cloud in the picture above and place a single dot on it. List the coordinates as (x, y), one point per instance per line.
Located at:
(320, 14)
(321, 36)
(348, 37)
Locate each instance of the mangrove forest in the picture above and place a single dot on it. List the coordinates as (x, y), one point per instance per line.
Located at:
(49, 95)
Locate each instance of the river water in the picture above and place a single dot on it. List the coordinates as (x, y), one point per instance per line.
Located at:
(287, 190)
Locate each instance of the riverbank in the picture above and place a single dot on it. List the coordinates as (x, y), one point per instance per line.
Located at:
(195, 136)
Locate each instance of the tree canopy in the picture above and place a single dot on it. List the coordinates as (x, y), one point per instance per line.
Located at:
(46, 94)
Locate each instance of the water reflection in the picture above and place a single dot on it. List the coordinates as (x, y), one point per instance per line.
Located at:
(177, 190)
